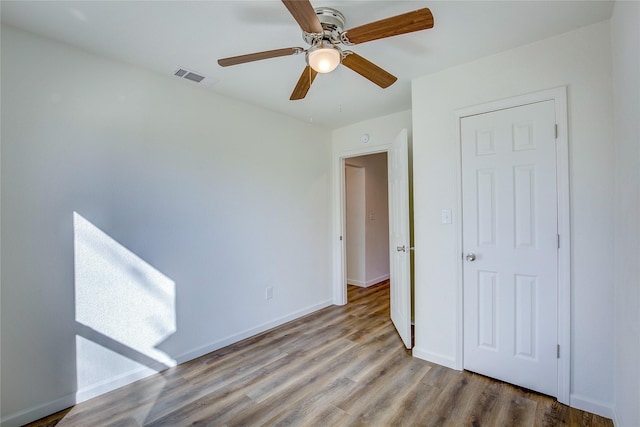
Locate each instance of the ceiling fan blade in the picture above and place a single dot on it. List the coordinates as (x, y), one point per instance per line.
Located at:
(304, 14)
(304, 83)
(368, 70)
(409, 22)
(241, 59)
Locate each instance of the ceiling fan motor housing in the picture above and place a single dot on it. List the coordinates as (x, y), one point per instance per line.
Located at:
(332, 22)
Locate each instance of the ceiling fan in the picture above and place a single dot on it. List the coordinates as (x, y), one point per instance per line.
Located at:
(323, 30)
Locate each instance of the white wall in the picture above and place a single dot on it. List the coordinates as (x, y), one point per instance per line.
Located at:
(381, 130)
(581, 60)
(347, 142)
(625, 41)
(375, 251)
(213, 198)
(355, 227)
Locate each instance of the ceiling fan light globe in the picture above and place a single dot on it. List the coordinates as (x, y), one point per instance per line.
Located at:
(324, 59)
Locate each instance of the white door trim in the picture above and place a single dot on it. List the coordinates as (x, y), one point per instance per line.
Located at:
(559, 96)
(339, 212)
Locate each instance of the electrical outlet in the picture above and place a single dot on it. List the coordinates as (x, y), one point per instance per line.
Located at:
(268, 292)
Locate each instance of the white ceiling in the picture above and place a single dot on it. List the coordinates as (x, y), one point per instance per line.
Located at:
(167, 35)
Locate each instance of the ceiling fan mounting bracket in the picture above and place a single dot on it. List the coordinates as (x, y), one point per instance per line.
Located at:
(344, 39)
(332, 22)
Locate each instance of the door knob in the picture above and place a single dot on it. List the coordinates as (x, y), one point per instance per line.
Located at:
(470, 257)
(401, 248)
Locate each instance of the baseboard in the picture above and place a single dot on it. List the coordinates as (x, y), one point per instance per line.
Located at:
(368, 283)
(591, 405)
(616, 421)
(440, 359)
(37, 412)
(376, 280)
(118, 381)
(356, 283)
(79, 396)
(576, 401)
(193, 354)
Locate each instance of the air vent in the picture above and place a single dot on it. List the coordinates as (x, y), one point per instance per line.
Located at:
(194, 77)
(189, 75)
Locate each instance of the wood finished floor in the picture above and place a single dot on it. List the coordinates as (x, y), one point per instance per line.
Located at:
(340, 366)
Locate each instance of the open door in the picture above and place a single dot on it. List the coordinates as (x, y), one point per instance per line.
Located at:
(399, 238)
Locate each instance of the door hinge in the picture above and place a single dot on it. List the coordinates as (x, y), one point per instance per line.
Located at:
(558, 351)
(556, 130)
(558, 241)
(340, 237)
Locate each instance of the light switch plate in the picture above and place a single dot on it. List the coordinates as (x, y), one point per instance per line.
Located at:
(445, 216)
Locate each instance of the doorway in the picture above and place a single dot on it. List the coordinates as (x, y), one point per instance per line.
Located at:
(510, 230)
(367, 219)
(514, 292)
(399, 248)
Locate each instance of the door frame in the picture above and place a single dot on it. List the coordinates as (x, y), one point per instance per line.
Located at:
(339, 218)
(559, 96)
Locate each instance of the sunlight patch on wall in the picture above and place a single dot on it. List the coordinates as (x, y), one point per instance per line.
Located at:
(125, 309)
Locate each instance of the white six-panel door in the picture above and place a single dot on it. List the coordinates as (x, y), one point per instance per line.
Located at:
(399, 238)
(510, 273)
